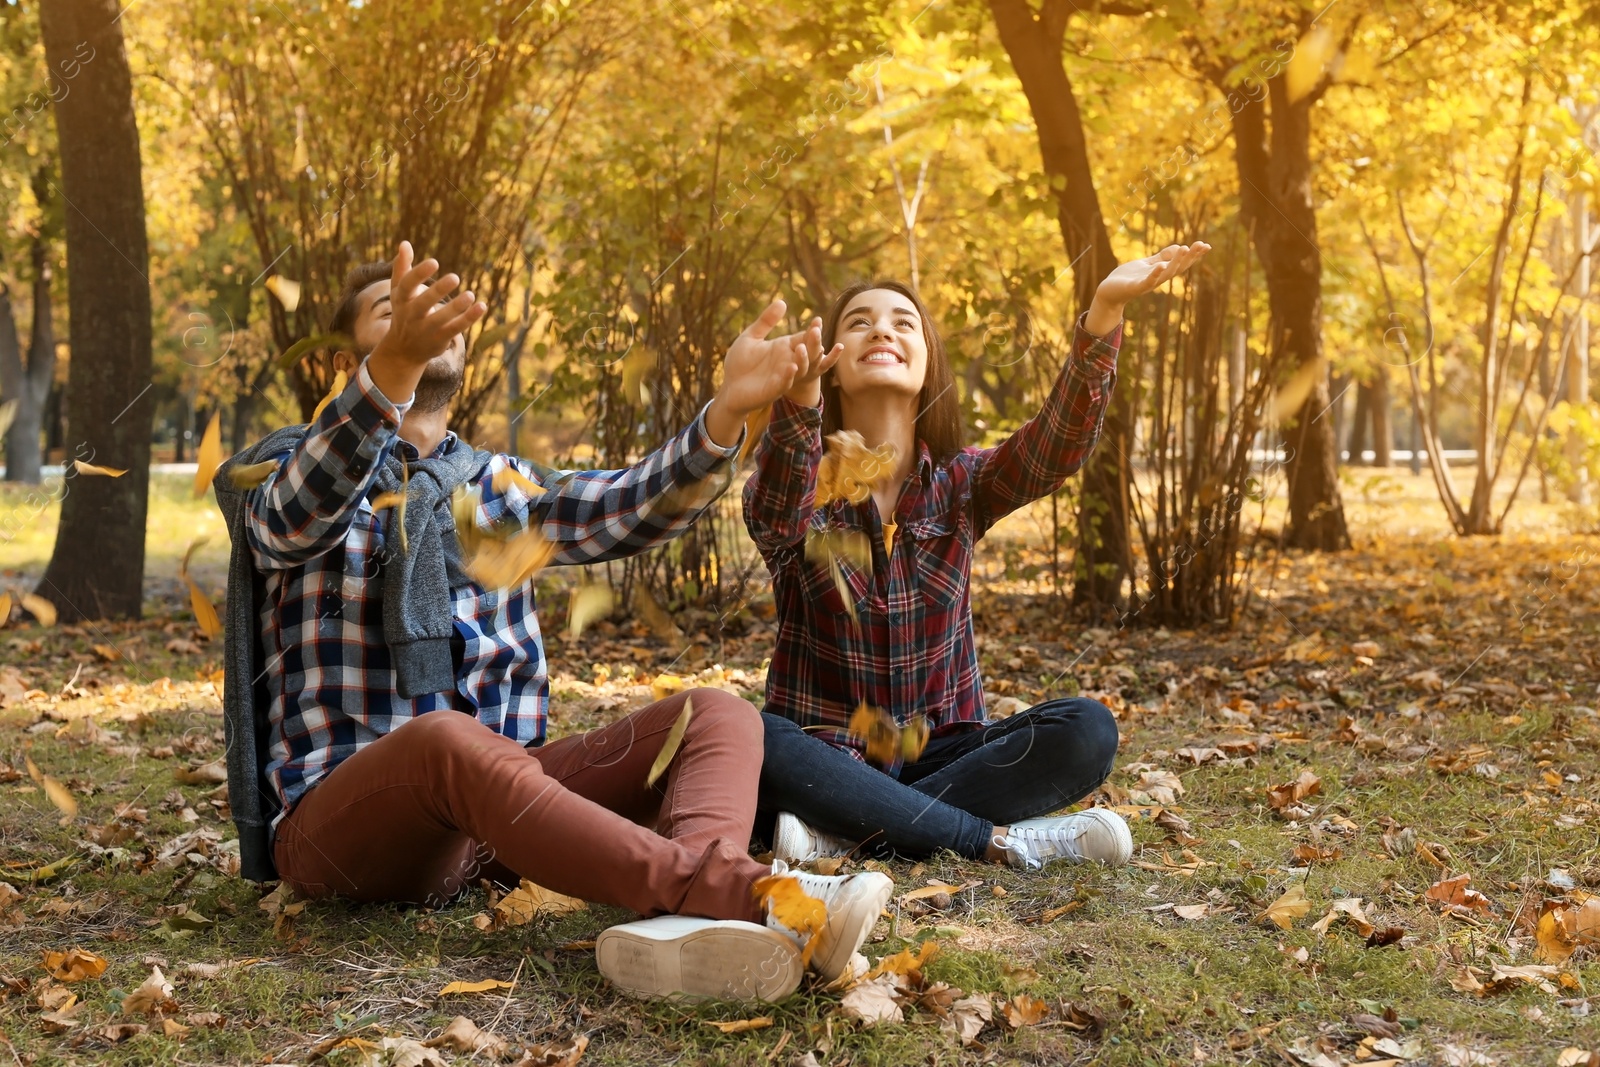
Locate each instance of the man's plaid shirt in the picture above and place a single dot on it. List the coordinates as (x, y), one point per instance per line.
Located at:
(320, 546)
(915, 651)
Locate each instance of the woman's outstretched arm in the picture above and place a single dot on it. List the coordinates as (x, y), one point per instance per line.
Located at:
(1053, 445)
(781, 493)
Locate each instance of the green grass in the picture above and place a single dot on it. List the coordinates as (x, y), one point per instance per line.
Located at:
(1220, 989)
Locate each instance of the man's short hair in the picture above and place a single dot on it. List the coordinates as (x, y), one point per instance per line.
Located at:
(360, 276)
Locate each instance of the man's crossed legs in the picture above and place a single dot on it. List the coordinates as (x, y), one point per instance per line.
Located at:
(419, 814)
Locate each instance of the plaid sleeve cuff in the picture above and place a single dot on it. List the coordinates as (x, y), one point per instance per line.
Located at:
(794, 425)
(364, 404)
(1100, 353)
(702, 454)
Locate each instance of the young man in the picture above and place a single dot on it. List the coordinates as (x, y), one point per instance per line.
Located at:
(406, 702)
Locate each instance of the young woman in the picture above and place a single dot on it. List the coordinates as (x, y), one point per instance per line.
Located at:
(903, 640)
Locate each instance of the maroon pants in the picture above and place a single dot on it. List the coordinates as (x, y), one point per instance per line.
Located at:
(422, 812)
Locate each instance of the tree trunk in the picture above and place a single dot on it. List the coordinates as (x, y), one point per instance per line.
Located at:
(1382, 427)
(97, 567)
(1357, 442)
(1105, 550)
(1275, 200)
(29, 383)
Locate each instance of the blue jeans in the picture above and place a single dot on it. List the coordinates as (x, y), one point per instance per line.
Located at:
(1035, 762)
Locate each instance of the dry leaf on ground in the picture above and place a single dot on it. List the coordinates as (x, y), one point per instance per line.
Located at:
(523, 903)
(739, 1026)
(1455, 894)
(461, 988)
(1024, 1010)
(1287, 908)
(968, 1016)
(1286, 796)
(154, 996)
(74, 965)
(463, 1035)
(873, 1002)
(1348, 909)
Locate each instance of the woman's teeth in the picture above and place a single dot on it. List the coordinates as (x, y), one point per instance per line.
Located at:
(881, 357)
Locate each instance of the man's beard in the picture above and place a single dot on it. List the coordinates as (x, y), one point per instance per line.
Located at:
(441, 380)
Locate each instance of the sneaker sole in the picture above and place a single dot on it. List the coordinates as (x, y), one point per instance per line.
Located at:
(851, 917)
(674, 956)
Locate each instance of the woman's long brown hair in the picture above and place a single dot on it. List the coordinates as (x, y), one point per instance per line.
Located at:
(939, 423)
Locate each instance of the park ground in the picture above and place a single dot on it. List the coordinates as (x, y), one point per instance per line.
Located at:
(1378, 726)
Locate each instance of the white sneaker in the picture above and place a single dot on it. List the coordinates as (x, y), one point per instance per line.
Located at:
(794, 842)
(686, 958)
(1094, 834)
(854, 903)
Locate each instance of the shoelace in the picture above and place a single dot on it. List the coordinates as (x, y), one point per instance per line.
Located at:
(1062, 840)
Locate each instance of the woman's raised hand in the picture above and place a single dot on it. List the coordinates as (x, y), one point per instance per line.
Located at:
(1137, 277)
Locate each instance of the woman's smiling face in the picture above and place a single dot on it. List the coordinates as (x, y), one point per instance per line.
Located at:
(884, 346)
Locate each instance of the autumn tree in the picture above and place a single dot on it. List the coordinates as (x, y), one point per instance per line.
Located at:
(97, 567)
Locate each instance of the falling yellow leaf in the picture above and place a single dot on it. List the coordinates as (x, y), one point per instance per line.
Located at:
(1311, 55)
(40, 608)
(655, 616)
(793, 908)
(252, 474)
(5, 608)
(1349, 909)
(1285, 402)
(519, 906)
(340, 380)
(455, 988)
(1287, 908)
(836, 572)
(89, 468)
(849, 469)
(876, 731)
(60, 796)
(209, 457)
(508, 563)
(635, 368)
(849, 545)
(506, 477)
(589, 602)
(665, 685)
(669, 747)
(914, 738)
(188, 554)
(739, 1026)
(205, 613)
(755, 425)
(74, 965)
(286, 290)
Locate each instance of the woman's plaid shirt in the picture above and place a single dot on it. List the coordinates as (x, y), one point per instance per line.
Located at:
(320, 546)
(914, 652)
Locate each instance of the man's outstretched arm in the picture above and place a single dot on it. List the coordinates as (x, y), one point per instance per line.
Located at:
(598, 515)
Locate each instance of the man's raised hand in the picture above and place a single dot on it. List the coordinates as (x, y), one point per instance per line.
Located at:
(759, 369)
(423, 321)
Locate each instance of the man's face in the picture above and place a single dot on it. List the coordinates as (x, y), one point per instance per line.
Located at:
(441, 378)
